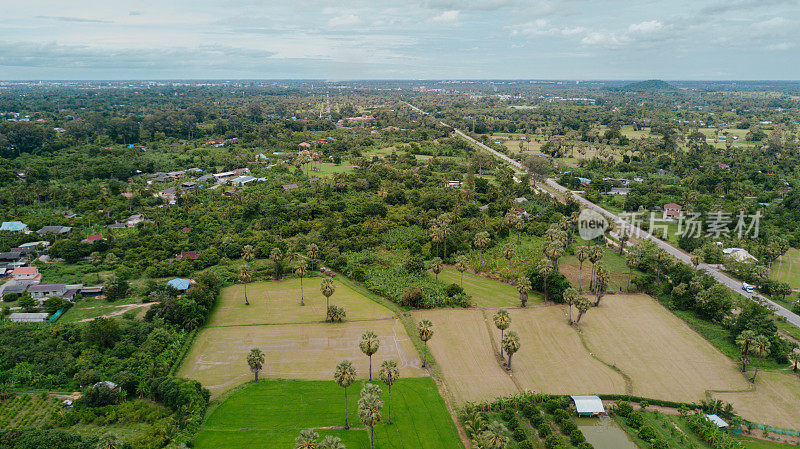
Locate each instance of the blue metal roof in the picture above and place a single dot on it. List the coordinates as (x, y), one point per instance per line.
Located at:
(14, 226)
(180, 284)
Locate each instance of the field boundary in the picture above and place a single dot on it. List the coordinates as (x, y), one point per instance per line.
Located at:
(615, 368)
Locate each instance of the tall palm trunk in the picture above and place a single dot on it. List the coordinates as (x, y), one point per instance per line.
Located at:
(346, 424)
(246, 302)
(370, 368)
(628, 288)
(580, 278)
(425, 355)
(509, 360)
(755, 373)
(502, 332)
(591, 278)
(462, 280)
(480, 261)
(371, 439)
(301, 292)
(389, 407)
(546, 295)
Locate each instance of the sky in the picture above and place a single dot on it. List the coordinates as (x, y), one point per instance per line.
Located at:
(402, 39)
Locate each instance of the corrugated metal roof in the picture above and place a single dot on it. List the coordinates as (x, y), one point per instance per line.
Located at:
(588, 404)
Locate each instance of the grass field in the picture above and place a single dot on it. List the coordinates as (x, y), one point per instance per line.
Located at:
(86, 309)
(272, 413)
(776, 400)
(487, 292)
(297, 345)
(787, 268)
(465, 356)
(663, 356)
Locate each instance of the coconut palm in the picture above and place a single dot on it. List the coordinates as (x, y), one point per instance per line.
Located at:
(744, 341)
(582, 254)
(425, 330)
(553, 252)
(276, 255)
(794, 357)
(369, 409)
(312, 251)
(344, 376)
(544, 268)
(582, 304)
(331, 442)
(523, 287)
(256, 361)
(570, 298)
(511, 344)
(436, 266)
(632, 261)
(495, 436)
(482, 240)
(502, 320)
(461, 266)
(301, 270)
(595, 254)
(759, 349)
(244, 277)
(327, 289)
(369, 345)
(389, 375)
(307, 440)
(600, 283)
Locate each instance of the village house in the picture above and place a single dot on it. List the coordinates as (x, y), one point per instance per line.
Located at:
(672, 210)
(186, 255)
(26, 274)
(619, 191)
(54, 229)
(14, 226)
(91, 238)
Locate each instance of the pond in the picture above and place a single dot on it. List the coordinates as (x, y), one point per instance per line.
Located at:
(604, 433)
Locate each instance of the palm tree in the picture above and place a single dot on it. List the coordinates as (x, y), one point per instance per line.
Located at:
(369, 409)
(482, 240)
(524, 287)
(389, 375)
(545, 268)
(306, 440)
(582, 304)
(344, 376)
(96, 259)
(276, 255)
(436, 266)
(312, 251)
(369, 345)
(595, 254)
(760, 349)
(511, 345)
(331, 442)
(256, 361)
(248, 254)
(696, 260)
(794, 357)
(600, 283)
(508, 254)
(301, 270)
(624, 236)
(519, 225)
(570, 298)
(582, 254)
(425, 330)
(494, 437)
(244, 277)
(502, 320)
(461, 266)
(436, 236)
(327, 289)
(661, 259)
(744, 341)
(632, 261)
(553, 252)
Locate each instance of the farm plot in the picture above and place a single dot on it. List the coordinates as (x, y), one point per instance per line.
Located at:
(775, 401)
(487, 292)
(279, 303)
(552, 359)
(463, 351)
(663, 356)
(787, 268)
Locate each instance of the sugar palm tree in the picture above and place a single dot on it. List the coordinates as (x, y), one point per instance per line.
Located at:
(425, 330)
(436, 266)
(495, 436)
(570, 298)
(511, 345)
(519, 225)
(327, 289)
(744, 341)
(502, 320)
(595, 254)
(244, 277)
(389, 375)
(301, 270)
(96, 259)
(553, 252)
(582, 304)
(523, 288)
(369, 409)
(436, 236)
(632, 261)
(256, 361)
(369, 345)
(331, 442)
(482, 240)
(344, 376)
(545, 268)
(600, 283)
(794, 357)
(248, 254)
(461, 266)
(582, 254)
(276, 255)
(312, 251)
(508, 254)
(307, 440)
(760, 349)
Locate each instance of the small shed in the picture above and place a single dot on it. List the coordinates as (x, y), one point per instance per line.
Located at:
(588, 405)
(20, 317)
(717, 421)
(180, 284)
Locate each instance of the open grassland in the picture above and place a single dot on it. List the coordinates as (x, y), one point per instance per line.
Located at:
(272, 413)
(775, 401)
(279, 303)
(295, 341)
(663, 356)
(551, 357)
(487, 292)
(87, 309)
(464, 353)
(787, 268)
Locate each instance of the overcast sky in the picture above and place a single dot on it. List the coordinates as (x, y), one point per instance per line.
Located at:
(402, 39)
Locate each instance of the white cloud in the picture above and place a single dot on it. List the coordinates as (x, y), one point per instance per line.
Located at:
(782, 46)
(447, 17)
(542, 27)
(650, 26)
(344, 20)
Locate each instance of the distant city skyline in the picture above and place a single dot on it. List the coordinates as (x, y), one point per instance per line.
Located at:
(405, 39)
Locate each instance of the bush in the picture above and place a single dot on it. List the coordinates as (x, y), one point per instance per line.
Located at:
(635, 420)
(576, 437)
(585, 445)
(537, 419)
(453, 289)
(543, 429)
(529, 411)
(411, 297)
(525, 445)
(647, 433)
(507, 414)
(624, 409)
(519, 435)
(659, 444)
(553, 442)
(101, 395)
(335, 313)
(512, 423)
(552, 405)
(415, 265)
(560, 415)
(567, 426)
(10, 297)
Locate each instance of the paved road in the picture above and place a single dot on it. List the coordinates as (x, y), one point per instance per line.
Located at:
(722, 278)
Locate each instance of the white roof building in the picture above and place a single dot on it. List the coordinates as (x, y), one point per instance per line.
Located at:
(588, 405)
(717, 421)
(739, 254)
(20, 317)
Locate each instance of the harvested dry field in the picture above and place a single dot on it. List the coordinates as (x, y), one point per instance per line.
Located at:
(776, 400)
(663, 356)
